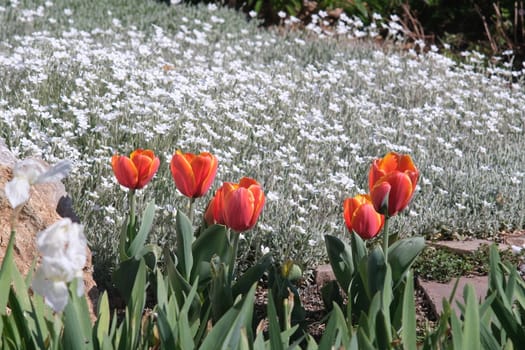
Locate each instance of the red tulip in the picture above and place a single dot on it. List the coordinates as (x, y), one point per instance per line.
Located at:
(193, 174)
(237, 206)
(392, 162)
(392, 182)
(213, 214)
(136, 171)
(361, 217)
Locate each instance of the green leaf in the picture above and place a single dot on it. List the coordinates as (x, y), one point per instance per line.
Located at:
(5, 272)
(336, 334)
(402, 254)
(20, 327)
(364, 341)
(408, 332)
(340, 256)
(183, 245)
(213, 241)
(359, 251)
(102, 324)
(383, 331)
(456, 331)
(376, 270)
(124, 277)
(330, 293)
(471, 328)
(226, 334)
(251, 276)
(138, 242)
(77, 322)
(220, 290)
(274, 328)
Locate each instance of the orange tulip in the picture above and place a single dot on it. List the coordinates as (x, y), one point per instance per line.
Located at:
(213, 214)
(193, 174)
(136, 171)
(392, 182)
(361, 217)
(237, 206)
(392, 162)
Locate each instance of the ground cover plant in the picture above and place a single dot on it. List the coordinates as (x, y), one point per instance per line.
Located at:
(84, 81)
(303, 116)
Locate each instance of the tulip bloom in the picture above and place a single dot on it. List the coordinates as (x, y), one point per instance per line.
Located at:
(136, 171)
(193, 174)
(392, 162)
(361, 217)
(392, 182)
(237, 206)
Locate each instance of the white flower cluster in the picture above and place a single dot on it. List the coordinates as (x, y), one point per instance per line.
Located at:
(63, 250)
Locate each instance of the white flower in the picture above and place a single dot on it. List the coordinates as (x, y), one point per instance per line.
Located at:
(265, 250)
(29, 172)
(63, 250)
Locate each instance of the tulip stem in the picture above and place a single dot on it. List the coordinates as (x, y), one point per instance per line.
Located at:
(191, 209)
(385, 240)
(132, 218)
(235, 244)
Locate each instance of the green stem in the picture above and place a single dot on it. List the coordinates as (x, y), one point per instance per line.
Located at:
(235, 245)
(191, 210)
(132, 217)
(385, 240)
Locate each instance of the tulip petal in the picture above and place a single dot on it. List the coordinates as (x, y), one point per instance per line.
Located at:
(204, 170)
(259, 200)
(213, 214)
(182, 173)
(146, 168)
(379, 195)
(366, 222)
(238, 209)
(401, 192)
(125, 171)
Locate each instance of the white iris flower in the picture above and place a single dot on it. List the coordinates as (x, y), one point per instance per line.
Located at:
(29, 172)
(63, 250)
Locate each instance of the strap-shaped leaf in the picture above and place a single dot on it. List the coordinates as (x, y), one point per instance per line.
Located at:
(376, 270)
(213, 241)
(77, 324)
(340, 256)
(274, 328)
(251, 276)
(139, 241)
(5, 272)
(471, 327)
(226, 334)
(408, 332)
(336, 335)
(402, 254)
(183, 245)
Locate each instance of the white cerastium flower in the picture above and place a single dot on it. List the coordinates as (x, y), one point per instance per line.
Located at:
(62, 247)
(29, 172)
